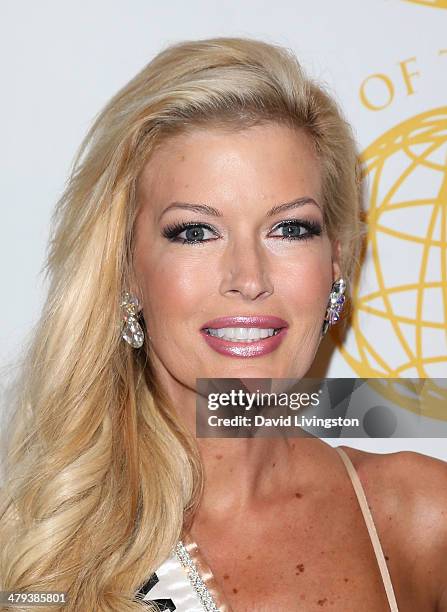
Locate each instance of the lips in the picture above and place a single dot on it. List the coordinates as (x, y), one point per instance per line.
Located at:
(261, 321)
(256, 348)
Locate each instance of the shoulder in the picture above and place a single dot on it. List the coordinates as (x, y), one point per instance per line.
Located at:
(408, 494)
(419, 479)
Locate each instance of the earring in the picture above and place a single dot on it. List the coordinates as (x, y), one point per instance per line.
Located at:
(132, 332)
(335, 304)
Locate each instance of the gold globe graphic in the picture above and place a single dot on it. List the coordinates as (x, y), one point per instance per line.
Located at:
(434, 3)
(399, 321)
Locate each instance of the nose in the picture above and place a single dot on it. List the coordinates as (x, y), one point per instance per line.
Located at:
(246, 271)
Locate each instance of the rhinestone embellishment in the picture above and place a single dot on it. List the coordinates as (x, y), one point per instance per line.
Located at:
(196, 581)
(335, 305)
(132, 332)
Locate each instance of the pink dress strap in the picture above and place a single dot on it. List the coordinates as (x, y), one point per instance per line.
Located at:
(360, 493)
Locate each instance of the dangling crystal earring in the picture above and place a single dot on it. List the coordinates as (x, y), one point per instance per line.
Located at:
(335, 304)
(132, 332)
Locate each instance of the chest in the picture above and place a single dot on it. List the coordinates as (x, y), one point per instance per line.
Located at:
(304, 561)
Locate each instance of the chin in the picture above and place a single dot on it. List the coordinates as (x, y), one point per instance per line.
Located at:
(256, 371)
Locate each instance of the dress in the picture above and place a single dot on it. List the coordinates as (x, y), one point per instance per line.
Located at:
(185, 583)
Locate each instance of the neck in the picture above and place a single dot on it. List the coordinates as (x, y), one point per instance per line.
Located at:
(242, 474)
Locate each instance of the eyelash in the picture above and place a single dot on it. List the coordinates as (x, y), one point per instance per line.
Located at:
(171, 231)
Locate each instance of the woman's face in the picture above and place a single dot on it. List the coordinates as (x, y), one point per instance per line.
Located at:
(242, 256)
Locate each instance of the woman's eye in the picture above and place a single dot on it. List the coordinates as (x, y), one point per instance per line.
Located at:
(199, 233)
(298, 230)
(188, 233)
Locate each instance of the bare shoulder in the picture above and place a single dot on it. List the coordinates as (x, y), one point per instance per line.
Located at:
(407, 492)
(410, 483)
(405, 469)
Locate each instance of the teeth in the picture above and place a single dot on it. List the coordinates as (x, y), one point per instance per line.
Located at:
(242, 334)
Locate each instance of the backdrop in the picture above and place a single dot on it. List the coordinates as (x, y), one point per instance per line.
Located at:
(385, 61)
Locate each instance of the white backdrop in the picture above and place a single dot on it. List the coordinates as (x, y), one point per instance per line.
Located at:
(384, 60)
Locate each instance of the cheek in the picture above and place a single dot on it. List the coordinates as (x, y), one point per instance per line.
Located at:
(305, 284)
(173, 288)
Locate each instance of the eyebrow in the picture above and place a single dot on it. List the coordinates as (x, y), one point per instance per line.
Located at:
(214, 212)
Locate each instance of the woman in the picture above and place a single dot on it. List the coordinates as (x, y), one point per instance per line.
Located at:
(220, 182)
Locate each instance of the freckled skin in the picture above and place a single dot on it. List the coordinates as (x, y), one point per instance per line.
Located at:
(247, 271)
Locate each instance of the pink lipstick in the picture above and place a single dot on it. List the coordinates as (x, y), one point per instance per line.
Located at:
(249, 344)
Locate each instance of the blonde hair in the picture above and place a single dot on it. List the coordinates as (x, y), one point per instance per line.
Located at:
(101, 476)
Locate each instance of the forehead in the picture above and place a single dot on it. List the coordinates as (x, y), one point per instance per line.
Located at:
(270, 161)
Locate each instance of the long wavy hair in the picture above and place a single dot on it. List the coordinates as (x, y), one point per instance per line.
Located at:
(101, 477)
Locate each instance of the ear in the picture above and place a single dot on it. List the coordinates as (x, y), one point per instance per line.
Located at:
(336, 259)
(134, 288)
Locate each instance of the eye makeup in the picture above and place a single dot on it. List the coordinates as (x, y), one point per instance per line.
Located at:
(172, 232)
